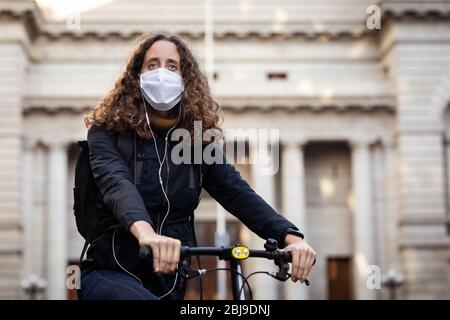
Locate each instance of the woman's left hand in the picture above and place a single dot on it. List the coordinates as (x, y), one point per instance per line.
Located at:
(303, 257)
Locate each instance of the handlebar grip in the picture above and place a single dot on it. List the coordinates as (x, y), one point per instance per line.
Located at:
(145, 251)
(287, 255)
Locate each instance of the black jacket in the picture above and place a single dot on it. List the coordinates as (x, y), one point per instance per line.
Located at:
(145, 201)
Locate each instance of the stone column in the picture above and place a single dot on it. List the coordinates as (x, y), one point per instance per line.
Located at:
(363, 221)
(40, 205)
(293, 199)
(27, 210)
(447, 182)
(264, 185)
(57, 221)
(391, 212)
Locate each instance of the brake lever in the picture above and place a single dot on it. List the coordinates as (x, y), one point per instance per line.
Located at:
(187, 272)
(283, 272)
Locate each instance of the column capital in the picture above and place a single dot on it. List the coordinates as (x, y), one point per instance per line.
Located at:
(390, 142)
(361, 142)
(447, 137)
(57, 143)
(294, 142)
(29, 143)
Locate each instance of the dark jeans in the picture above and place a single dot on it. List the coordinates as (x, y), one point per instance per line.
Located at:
(112, 285)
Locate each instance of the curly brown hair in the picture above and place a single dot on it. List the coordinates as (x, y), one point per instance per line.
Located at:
(122, 109)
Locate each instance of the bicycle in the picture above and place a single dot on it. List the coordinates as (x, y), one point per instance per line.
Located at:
(234, 255)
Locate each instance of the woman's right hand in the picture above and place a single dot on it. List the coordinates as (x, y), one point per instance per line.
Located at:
(165, 250)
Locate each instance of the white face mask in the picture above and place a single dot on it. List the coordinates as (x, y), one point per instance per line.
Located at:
(161, 88)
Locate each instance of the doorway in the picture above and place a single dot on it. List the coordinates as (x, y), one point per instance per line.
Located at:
(339, 278)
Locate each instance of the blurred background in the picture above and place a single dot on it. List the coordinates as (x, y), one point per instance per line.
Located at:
(359, 91)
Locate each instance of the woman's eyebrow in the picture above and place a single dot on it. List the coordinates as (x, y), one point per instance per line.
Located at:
(153, 59)
(173, 61)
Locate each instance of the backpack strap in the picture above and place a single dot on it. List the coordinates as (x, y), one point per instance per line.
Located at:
(126, 144)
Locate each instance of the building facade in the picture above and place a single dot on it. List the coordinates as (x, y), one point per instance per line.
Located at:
(362, 115)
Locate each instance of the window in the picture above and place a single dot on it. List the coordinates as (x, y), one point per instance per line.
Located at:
(277, 75)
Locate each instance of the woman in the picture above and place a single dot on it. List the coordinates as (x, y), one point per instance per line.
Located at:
(162, 89)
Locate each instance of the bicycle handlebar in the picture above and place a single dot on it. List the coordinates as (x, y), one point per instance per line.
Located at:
(233, 255)
(224, 253)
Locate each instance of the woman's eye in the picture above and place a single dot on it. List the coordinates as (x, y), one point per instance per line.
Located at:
(172, 67)
(152, 66)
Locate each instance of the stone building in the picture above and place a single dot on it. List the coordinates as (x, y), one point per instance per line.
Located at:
(363, 118)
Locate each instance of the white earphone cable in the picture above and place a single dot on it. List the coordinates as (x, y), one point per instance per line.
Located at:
(117, 261)
(134, 276)
(161, 162)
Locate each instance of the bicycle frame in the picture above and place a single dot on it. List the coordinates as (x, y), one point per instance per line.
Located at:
(236, 281)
